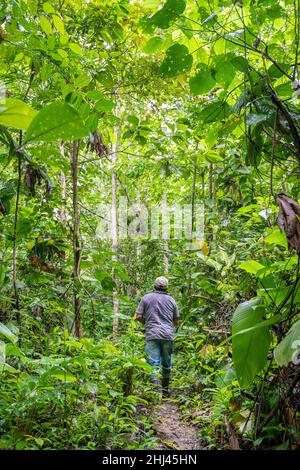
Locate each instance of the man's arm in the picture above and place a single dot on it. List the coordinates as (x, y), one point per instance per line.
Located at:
(176, 315)
(139, 314)
(139, 317)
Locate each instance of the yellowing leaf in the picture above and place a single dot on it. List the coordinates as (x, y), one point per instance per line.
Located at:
(64, 38)
(48, 8)
(15, 113)
(46, 25)
(204, 247)
(251, 266)
(58, 23)
(75, 48)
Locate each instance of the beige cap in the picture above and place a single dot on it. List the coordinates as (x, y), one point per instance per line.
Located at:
(161, 283)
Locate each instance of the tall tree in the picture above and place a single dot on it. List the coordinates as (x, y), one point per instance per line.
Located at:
(76, 243)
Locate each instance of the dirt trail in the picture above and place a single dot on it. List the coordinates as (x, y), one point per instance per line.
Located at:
(172, 431)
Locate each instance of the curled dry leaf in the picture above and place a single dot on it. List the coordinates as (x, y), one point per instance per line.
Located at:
(289, 220)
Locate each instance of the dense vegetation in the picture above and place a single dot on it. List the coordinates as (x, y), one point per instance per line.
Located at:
(148, 103)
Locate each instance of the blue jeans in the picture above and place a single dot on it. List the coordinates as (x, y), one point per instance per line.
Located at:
(159, 352)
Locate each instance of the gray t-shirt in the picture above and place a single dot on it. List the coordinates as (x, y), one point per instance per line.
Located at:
(159, 310)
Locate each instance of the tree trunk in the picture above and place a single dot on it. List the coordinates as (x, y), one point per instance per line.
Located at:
(14, 260)
(76, 244)
(210, 195)
(114, 234)
(193, 202)
(165, 227)
(63, 216)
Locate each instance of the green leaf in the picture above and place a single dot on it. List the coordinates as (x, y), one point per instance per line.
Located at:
(46, 25)
(251, 266)
(288, 350)
(168, 14)
(82, 80)
(2, 352)
(216, 111)
(276, 237)
(2, 274)
(48, 8)
(274, 72)
(105, 105)
(225, 71)
(15, 113)
(202, 82)
(253, 119)
(58, 121)
(154, 44)
(8, 368)
(75, 48)
(240, 63)
(62, 375)
(58, 23)
(250, 349)
(213, 156)
(100, 274)
(177, 61)
(7, 333)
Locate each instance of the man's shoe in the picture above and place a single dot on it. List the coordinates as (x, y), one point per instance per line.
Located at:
(154, 380)
(165, 387)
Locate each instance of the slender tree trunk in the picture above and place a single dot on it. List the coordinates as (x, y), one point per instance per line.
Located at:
(76, 244)
(63, 216)
(210, 183)
(114, 234)
(193, 217)
(193, 203)
(139, 246)
(210, 195)
(165, 227)
(14, 260)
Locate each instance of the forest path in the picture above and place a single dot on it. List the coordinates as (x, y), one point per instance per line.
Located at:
(172, 431)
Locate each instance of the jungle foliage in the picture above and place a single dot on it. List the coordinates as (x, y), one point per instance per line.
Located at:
(147, 101)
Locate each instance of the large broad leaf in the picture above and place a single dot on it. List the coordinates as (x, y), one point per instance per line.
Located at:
(58, 121)
(250, 349)
(105, 105)
(154, 44)
(177, 61)
(7, 333)
(46, 25)
(253, 119)
(225, 71)
(276, 237)
(169, 12)
(216, 111)
(202, 82)
(61, 374)
(251, 266)
(15, 113)
(288, 350)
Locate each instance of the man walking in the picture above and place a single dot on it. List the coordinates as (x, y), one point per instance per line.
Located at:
(159, 311)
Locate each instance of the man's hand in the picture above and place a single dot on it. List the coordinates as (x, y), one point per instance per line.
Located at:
(139, 318)
(176, 321)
